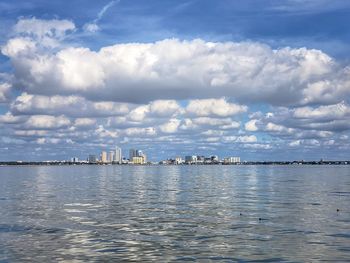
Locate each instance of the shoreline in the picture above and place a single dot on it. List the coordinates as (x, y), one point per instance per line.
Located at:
(65, 163)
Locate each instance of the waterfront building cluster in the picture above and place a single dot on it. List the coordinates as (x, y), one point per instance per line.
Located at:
(115, 157)
(137, 156)
(178, 160)
(200, 159)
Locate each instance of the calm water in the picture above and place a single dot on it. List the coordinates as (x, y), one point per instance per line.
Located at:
(173, 213)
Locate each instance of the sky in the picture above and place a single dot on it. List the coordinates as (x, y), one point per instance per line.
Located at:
(259, 79)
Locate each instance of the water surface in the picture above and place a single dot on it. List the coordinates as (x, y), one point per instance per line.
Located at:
(175, 213)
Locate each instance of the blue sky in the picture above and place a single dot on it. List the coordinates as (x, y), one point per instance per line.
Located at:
(310, 23)
(262, 79)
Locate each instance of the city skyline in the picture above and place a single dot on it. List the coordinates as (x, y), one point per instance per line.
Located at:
(137, 156)
(263, 80)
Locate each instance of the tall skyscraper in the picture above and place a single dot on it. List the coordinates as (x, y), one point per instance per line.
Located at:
(111, 156)
(104, 157)
(117, 155)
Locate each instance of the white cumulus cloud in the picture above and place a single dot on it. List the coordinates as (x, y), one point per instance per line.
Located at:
(214, 107)
(175, 69)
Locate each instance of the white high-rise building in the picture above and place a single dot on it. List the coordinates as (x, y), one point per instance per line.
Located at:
(111, 156)
(117, 155)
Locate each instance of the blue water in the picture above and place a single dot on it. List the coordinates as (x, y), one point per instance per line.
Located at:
(175, 213)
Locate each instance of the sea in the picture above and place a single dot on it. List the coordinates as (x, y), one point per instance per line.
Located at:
(214, 213)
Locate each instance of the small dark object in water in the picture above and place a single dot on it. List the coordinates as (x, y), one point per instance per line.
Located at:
(260, 219)
(338, 209)
(240, 214)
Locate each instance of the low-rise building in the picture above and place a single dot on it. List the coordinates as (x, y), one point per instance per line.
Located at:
(232, 160)
(191, 159)
(138, 160)
(92, 158)
(178, 160)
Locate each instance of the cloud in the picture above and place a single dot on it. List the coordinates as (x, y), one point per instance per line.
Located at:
(247, 139)
(46, 122)
(258, 146)
(226, 123)
(31, 133)
(309, 6)
(9, 118)
(18, 46)
(303, 123)
(149, 131)
(5, 92)
(48, 140)
(171, 126)
(73, 106)
(251, 125)
(39, 28)
(173, 69)
(32, 31)
(164, 108)
(272, 127)
(332, 118)
(84, 122)
(93, 27)
(324, 113)
(294, 143)
(214, 107)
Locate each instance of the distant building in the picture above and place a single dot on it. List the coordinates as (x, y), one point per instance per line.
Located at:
(207, 160)
(110, 156)
(200, 159)
(103, 157)
(191, 159)
(117, 155)
(214, 158)
(138, 160)
(132, 153)
(137, 153)
(144, 156)
(178, 160)
(232, 160)
(92, 159)
(74, 160)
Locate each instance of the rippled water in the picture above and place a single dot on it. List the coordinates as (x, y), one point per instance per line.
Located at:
(175, 213)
